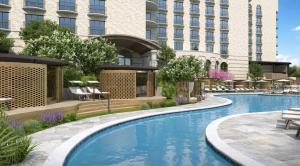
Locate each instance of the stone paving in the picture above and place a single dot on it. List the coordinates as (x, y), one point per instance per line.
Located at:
(50, 139)
(262, 137)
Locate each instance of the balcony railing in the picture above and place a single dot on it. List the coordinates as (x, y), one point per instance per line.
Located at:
(67, 7)
(210, 2)
(152, 4)
(4, 3)
(32, 4)
(97, 10)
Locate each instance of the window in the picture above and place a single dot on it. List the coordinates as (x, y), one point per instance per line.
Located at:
(258, 30)
(97, 27)
(178, 20)
(162, 4)
(209, 48)
(195, 46)
(258, 10)
(162, 42)
(178, 45)
(258, 49)
(224, 37)
(4, 2)
(194, 8)
(224, 66)
(68, 23)
(224, 12)
(124, 61)
(162, 32)
(32, 17)
(209, 10)
(224, 49)
(149, 16)
(195, 21)
(4, 20)
(178, 6)
(258, 40)
(209, 36)
(97, 6)
(35, 3)
(224, 2)
(209, 23)
(162, 18)
(178, 33)
(67, 5)
(194, 34)
(258, 21)
(224, 24)
(149, 34)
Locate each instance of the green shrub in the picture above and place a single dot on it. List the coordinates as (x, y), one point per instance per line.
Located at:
(168, 90)
(13, 148)
(167, 103)
(155, 105)
(70, 74)
(145, 106)
(32, 126)
(70, 117)
(87, 78)
(5, 43)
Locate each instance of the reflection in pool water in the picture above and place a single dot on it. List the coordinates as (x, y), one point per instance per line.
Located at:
(175, 139)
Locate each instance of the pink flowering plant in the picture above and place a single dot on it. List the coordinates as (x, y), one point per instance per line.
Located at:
(220, 75)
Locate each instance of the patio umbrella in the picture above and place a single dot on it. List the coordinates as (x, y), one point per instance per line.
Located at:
(75, 82)
(283, 80)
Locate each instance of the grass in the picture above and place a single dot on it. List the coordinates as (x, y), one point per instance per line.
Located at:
(80, 117)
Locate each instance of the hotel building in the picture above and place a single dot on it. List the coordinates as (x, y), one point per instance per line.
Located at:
(225, 34)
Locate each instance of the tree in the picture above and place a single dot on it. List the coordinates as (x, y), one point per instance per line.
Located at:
(185, 68)
(165, 55)
(60, 45)
(256, 72)
(36, 29)
(294, 71)
(5, 43)
(96, 52)
(82, 54)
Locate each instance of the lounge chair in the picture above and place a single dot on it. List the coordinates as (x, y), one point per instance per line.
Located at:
(213, 89)
(219, 89)
(207, 90)
(96, 91)
(297, 123)
(78, 92)
(291, 112)
(294, 109)
(289, 118)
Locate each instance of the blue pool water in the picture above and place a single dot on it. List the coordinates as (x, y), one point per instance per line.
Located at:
(175, 139)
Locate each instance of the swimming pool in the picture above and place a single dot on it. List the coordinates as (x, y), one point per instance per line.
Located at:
(174, 139)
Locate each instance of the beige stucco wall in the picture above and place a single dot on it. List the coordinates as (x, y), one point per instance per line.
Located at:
(129, 17)
(269, 9)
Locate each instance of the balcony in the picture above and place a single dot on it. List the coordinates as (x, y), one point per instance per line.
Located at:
(224, 3)
(211, 2)
(4, 25)
(151, 20)
(67, 8)
(97, 11)
(151, 5)
(5, 4)
(34, 5)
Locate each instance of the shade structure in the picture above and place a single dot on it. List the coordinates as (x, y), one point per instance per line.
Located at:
(248, 81)
(75, 82)
(262, 81)
(283, 80)
(93, 82)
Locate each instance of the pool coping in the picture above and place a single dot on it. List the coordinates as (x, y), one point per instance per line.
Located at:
(214, 140)
(60, 154)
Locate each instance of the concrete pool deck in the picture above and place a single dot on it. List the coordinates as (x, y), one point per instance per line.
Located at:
(255, 139)
(55, 143)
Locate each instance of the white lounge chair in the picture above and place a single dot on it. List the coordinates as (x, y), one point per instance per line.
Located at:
(289, 118)
(96, 91)
(78, 92)
(207, 90)
(294, 109)
(291, 112)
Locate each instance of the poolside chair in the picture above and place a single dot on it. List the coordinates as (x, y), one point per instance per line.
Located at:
(219, 89)
(294, 109)
(289, 118)
(78, 92)
(96, 91)
(291, 112)
(213, 89)
(207, 90)
(297, 123)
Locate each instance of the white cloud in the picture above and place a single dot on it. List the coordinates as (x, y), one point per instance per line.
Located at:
(287, 58)
(297, 28)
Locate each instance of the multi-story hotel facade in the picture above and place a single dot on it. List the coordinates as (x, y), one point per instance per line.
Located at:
(225, 34)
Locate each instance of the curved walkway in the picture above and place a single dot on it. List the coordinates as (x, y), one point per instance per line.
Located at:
(255, 139)
(54, 139)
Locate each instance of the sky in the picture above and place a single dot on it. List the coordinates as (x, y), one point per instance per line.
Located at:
(289, 31)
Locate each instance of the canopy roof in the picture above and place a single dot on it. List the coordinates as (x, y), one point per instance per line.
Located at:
(31, 59)
(133, 43)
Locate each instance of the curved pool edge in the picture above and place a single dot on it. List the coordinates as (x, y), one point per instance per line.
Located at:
(60, 154)
(219, 145)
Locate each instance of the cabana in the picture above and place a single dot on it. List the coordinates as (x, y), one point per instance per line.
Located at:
(30, 81)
